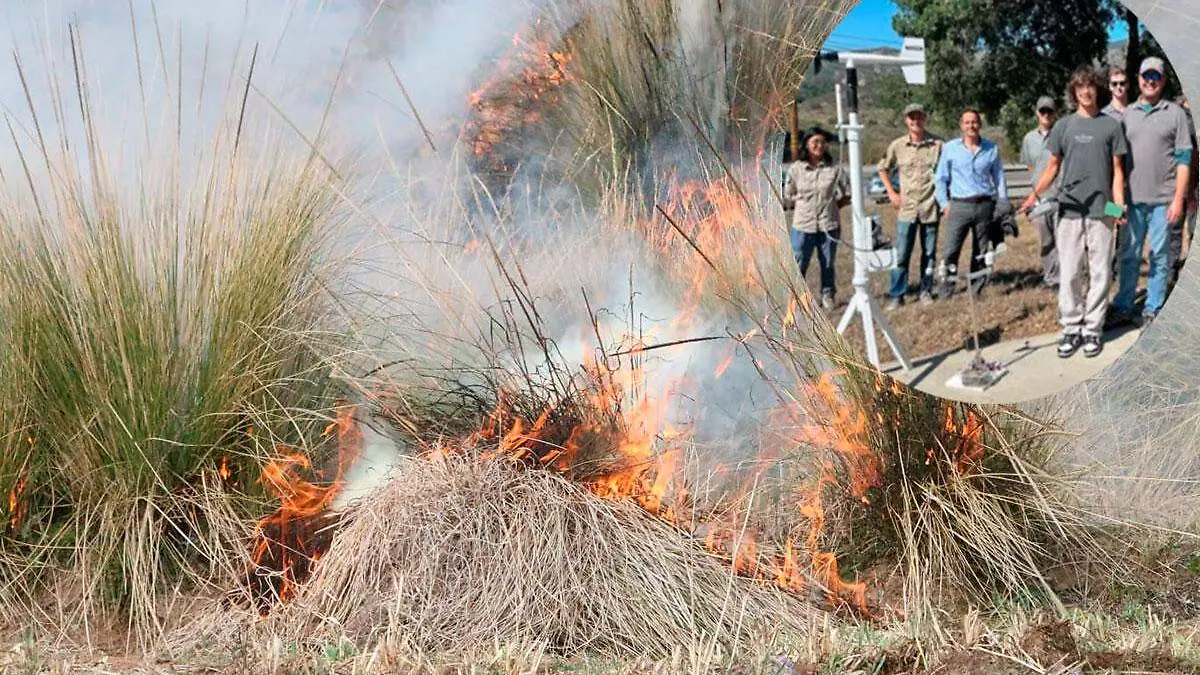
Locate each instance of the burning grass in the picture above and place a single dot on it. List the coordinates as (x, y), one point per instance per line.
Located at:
(457, 554)
(601, 93)
(562, 499)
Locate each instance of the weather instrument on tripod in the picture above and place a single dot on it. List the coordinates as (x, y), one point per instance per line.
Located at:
(868, 257)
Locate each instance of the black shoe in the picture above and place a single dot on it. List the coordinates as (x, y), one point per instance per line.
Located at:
(1068, 344)
(1092, 346)
(1117, 319)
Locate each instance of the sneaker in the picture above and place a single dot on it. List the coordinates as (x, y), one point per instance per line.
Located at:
(1068, 344)
(894, 304)
(947, 277)
(926, 298)
(827, 301)
(1092, 346)
(1147, 319)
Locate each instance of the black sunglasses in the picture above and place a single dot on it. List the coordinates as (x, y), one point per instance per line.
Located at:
(1117, 83)
(1046, 111)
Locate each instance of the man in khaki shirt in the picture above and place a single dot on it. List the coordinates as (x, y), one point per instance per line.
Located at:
(916, 156)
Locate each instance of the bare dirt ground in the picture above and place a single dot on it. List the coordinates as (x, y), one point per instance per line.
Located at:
(1013, 305)
(1145, 622)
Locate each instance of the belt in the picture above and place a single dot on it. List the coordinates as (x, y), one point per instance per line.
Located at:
(974, 200)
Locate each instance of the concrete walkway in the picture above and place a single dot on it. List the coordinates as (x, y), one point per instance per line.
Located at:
(1034, 368)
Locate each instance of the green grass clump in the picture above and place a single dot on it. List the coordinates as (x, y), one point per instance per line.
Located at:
(152, 330)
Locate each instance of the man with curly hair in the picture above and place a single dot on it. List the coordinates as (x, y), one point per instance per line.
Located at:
(1088, 149)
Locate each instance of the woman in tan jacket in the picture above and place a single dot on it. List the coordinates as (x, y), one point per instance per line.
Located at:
(815, 191)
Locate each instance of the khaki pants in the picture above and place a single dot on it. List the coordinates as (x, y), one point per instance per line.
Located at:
(1081, 240)
(1045, 227)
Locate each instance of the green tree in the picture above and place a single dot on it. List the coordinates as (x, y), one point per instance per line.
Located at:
(892, 93)
(1133, 54)
(1015, 121)
(988, 53)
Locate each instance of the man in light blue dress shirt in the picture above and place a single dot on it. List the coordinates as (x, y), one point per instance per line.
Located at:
(968, 182)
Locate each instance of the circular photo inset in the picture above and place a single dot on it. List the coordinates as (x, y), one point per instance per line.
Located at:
(990, 211)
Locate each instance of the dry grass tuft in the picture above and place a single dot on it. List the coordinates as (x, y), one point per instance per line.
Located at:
(458, 555)
(955, 496)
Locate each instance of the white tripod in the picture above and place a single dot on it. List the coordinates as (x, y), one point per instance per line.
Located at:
(866, 259)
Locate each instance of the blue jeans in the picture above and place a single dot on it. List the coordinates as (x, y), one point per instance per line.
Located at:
(1145, 220)
(825, 244)
(906, 238)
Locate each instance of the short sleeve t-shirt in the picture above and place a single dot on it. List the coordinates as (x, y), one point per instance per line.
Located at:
(1035, 153)
(1087, 146)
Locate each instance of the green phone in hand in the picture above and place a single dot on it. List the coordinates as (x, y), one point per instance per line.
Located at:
(1113, 209)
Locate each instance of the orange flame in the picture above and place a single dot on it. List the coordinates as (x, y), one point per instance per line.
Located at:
(647, 472)
(967, 440)
(829, 422)
(289, 541)
(845, 434)
(715, 218)
(17, 507)
(509, 100)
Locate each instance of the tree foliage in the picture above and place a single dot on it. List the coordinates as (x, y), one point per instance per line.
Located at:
(988, 53)
(1150, 47)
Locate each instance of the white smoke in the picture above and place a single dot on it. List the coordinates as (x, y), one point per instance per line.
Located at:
(705, 51)
(336, 74)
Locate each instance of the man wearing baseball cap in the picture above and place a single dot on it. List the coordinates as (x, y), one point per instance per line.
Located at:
(1160, 149)
(916, 156)
(1035, 154)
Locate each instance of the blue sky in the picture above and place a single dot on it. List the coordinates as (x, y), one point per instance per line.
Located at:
(870, 25)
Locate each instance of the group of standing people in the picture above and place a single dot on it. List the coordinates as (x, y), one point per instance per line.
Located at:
(1110, 179)
(959, 182)
(1105, 180)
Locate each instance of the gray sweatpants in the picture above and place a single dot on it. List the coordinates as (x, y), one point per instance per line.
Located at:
(1083, 240)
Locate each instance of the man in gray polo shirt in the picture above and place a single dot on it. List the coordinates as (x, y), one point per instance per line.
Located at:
(1188, 221)
(1160, 151)
(1036, 155)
